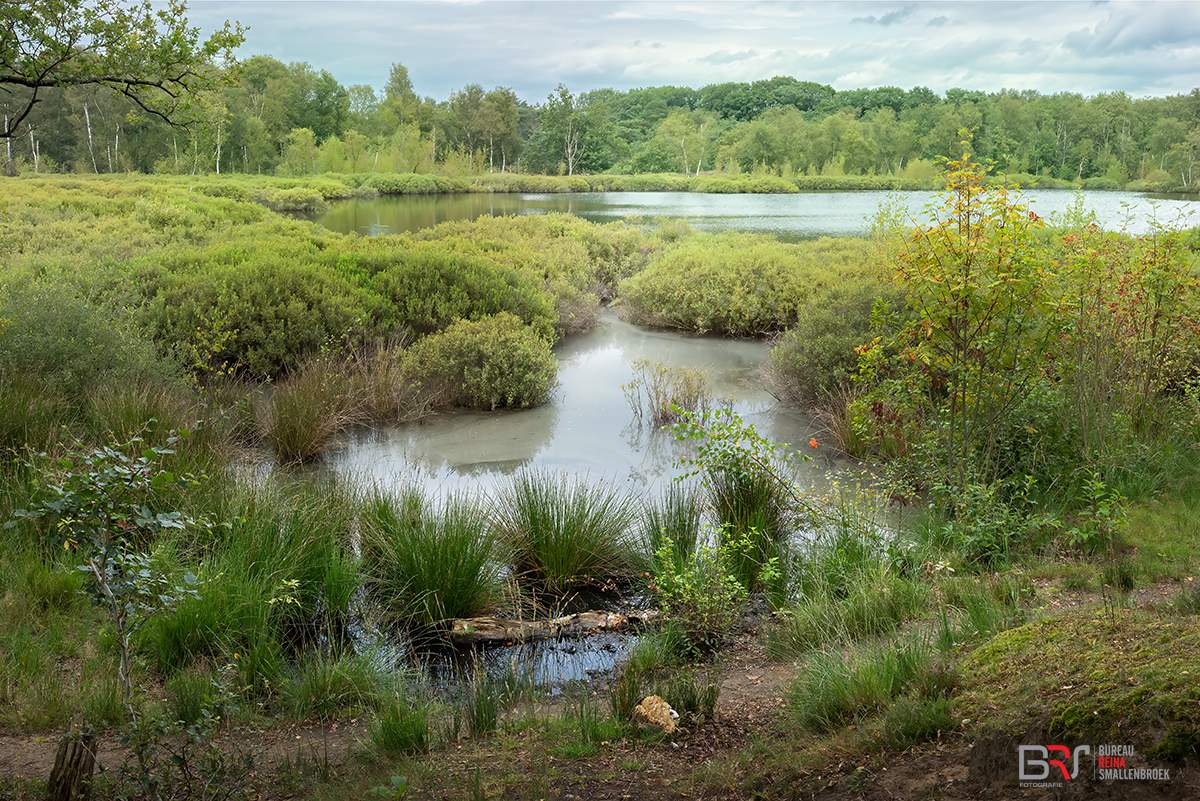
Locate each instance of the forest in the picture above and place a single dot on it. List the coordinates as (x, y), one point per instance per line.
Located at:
(296, 119)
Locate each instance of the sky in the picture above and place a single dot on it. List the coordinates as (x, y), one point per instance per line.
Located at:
(1143, 49)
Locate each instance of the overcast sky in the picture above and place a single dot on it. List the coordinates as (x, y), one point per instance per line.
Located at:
(1140, 48)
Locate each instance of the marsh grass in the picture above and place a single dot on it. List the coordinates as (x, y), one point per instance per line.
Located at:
(278, 579)
(385, 387)
(564, 530)
(834, 687)
(752, 508)
(875, 605)
(660, 394)
(674, 517)
(119, 412)
(429, 565)
(325, 685)
(402, 725)
(304, 413)
(31, 413)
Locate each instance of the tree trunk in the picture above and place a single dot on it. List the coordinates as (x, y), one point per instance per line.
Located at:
(71, 779)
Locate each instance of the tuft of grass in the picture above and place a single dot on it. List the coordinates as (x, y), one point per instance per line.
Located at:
(877, 604)
(563, 530)
(402, 725)
(431, 566)
(674, 518)
(834, 688)
(308, 409)
(322, 686)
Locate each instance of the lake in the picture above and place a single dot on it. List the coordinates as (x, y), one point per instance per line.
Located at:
(790, 218)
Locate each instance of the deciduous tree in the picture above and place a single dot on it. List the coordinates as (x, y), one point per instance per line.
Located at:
(153, 57)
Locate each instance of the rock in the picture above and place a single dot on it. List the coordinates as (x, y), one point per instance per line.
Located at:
(654, 711)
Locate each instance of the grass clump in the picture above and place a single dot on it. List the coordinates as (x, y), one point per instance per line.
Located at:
(673, 519)
(563, 530)
(835, 688)
(660, 393)
(429, 565)
(324, 685)
(306, 410)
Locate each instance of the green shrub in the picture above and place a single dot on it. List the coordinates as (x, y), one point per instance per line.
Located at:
(563, 530)
(71, 343)
(736, 284)
(262, 310)
(704, 598)
(486, 364)
(430, 287)
(819, 352)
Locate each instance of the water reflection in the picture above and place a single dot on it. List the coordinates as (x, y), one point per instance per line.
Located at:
(790, 218)
(587, 428)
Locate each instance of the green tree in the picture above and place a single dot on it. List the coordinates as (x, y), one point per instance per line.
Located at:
(152, 57)
(981, 295)
(575, 133)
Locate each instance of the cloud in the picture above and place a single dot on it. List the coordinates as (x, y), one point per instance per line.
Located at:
(725, 57)
(892, 17)
(1049, 46)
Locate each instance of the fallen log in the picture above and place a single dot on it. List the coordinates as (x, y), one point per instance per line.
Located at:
(491, 630)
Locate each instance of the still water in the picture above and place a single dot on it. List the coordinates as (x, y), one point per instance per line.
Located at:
(589, 426)
(790, 218)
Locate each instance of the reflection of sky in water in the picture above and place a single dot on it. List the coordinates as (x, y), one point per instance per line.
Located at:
(793, 217)
(587, 428)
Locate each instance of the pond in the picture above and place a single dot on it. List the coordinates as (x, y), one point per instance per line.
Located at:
(588, 427)
(790, 218)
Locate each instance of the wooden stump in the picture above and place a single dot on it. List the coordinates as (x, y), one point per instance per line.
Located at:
(71, 779)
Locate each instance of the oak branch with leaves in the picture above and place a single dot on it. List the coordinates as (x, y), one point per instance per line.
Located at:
(153, 57)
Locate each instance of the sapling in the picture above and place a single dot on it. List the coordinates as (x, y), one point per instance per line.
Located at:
(99, 504)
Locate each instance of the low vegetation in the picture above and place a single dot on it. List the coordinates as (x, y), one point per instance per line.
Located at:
(1034, 427)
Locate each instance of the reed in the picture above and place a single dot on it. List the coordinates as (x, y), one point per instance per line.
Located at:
(308, 409)
(675, 518)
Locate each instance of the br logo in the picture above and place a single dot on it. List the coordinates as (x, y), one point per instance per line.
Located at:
(1034, 762)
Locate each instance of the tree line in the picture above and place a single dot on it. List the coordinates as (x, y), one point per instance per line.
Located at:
(294, 119)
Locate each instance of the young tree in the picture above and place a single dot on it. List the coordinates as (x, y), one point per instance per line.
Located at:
(151, 57)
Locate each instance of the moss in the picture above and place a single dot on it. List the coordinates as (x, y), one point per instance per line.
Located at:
(1124, 676)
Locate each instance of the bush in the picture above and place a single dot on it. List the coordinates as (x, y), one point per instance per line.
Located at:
(71, 343)
(819, 352)
(704, 598)
(492, 363)
(736, 284)
(431, 287)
